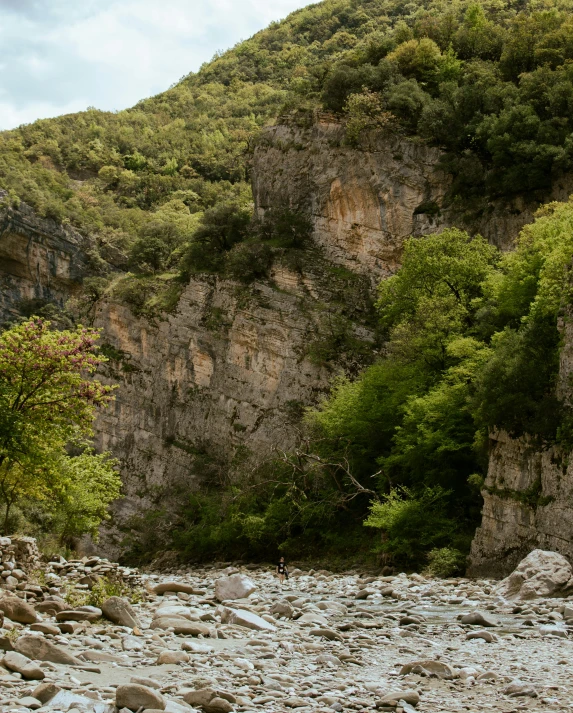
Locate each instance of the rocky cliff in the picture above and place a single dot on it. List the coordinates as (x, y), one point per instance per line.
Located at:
(227, 374)
(528, 492)
(224, 377)
(365, 200)
(527, 504)
(40, 261)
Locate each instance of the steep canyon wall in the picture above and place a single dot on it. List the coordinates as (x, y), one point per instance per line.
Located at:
(227, 374)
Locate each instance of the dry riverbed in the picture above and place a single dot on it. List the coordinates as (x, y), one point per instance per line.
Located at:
(324, 642)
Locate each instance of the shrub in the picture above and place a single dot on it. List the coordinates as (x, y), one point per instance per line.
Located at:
(412, 523)
(249, 261)
(445, 562)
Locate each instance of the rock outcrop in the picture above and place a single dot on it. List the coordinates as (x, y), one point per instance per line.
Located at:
(40, 260)
(363, 202)
(527, 505)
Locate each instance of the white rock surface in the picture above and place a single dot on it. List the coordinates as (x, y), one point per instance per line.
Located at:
(237, 586)
(540, 574)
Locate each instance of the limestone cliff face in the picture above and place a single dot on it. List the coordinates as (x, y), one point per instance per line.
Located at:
(39, 260)
(527, 505)
(363, 202)
(528, 492)
(224, 377)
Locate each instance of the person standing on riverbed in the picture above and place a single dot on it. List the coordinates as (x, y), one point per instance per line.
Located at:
(282, 570)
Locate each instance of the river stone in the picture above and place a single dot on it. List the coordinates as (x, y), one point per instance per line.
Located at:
(36, 647)
(30, 702)
(144, 681)
(119, 611)
(488, 636)
(429, 666)
(173, 587)
(101, 657)
(51, 605)
(168, 656)
(476, 618)
(241, 617)
(45, 692)
(22, 665)
(237, 586)
(552, 630)
(540, 574)
(519, 689)
(195, 648)
(135, 696)
(73, 615)
(391, 699)
(46, 628)
(176, 610)
(327, 634)
(283, 609)
(17, 610)
(312, 618)
(132, 643)
(209, 700)
(68, 701)
(180, 626)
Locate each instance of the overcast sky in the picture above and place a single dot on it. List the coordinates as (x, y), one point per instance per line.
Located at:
(60, 56)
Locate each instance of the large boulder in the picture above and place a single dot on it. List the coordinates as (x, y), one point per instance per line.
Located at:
(120, 611)
(38, 648)
(134, 696)
(540, 574)
(17, 610)
(237, 586)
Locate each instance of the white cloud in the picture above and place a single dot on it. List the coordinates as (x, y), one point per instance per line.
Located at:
(111, 53)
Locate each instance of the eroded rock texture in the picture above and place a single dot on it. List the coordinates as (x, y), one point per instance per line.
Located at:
(39, 259)
(363, 202)
(228, 372)
(527, 505)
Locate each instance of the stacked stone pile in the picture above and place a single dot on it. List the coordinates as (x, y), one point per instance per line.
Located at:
(26, 576)
(19, 555)
(85, 572)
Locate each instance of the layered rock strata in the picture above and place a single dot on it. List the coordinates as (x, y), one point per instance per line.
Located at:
(363, 202)
(227, 374)
(39, 259)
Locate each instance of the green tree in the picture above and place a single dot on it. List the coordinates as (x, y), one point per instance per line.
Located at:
(86, 486)
(47, 401)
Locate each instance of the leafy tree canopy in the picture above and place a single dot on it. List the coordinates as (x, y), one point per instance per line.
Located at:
(48, 398)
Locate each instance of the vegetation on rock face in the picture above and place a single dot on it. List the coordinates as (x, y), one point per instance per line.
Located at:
(472, 338)
(47, 406)
(472, 345)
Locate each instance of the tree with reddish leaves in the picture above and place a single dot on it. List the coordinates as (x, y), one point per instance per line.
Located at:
(48, 399)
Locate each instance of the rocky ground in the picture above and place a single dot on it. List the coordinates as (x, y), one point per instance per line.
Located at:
(229, 639)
